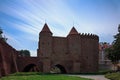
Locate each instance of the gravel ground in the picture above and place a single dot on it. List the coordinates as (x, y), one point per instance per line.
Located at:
(95, 77)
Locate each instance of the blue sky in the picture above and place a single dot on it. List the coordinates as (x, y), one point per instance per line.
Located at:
(22, 20)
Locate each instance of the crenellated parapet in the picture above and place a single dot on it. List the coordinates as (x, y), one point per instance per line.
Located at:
(78, 51)
(89, 36)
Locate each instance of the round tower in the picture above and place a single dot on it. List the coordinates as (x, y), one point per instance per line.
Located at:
(74, 48)
(45, 42)
(45, 47)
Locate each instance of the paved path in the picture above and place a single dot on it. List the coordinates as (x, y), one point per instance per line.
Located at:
(94, 77)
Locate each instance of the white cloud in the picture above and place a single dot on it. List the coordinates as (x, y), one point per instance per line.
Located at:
(13, 41)
(31, 16)
(33, 53)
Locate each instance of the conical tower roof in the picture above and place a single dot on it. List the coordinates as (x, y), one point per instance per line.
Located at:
(45, 28)
(73, 31)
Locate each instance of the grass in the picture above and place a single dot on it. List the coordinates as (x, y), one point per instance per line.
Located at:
(40, 76)
(113, 76)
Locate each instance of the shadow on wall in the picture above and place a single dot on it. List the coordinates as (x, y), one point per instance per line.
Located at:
(31, 68)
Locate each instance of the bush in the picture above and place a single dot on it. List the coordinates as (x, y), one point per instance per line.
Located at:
(113, 76)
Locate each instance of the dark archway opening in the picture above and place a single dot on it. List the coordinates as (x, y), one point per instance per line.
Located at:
(31, 68)
(58, 69)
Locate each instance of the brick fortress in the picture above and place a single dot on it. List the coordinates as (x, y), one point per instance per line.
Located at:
(72, 54)
(75, 53)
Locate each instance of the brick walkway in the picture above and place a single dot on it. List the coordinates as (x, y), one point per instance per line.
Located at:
(94, 77)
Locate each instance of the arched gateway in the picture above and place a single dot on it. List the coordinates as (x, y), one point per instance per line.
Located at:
(74, 53)
(77, 52)
(31, 68)
(62, 69)
(58, 69)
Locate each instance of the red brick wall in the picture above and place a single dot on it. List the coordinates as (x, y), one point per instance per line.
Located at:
(59, 49)
(89, 54)
(77, 53)
(10, 62)
(24, 61)
(8, 58)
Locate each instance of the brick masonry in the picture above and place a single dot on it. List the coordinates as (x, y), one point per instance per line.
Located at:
(76, 53)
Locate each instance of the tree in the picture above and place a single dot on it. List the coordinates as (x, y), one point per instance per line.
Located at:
(24, 53)
(113, 53)
(1, 37)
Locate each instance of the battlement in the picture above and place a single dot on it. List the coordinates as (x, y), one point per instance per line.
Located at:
(88, 35)
(76, 50)
(73, 31)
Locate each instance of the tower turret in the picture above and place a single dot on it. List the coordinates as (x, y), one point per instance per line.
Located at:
(74, 48)
(45, 30)
(73, 31)
(45, 41)
(45, 47)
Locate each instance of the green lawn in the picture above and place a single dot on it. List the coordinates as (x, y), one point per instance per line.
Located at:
(39, 76)
(113, 76)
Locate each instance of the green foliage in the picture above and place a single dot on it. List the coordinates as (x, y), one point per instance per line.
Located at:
(24, 53)
(114, 53)
(113, 76)
(40, 76)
